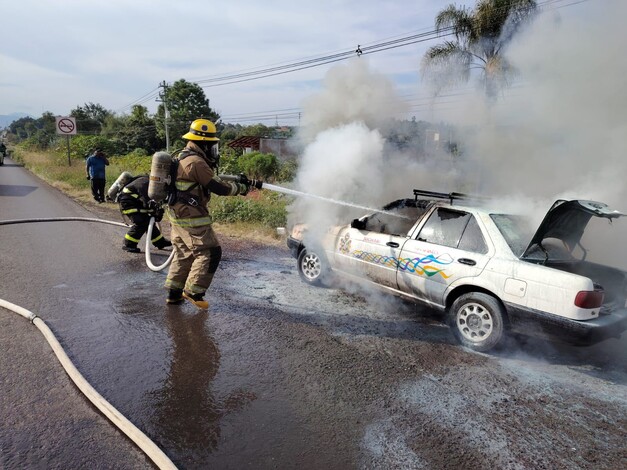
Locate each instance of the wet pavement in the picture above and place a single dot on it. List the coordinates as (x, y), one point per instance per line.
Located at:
(277, 374)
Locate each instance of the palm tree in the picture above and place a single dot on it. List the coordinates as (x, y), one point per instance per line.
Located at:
(480, 35)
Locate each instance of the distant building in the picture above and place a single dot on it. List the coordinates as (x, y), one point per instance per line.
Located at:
(283, 149)
(247, 144)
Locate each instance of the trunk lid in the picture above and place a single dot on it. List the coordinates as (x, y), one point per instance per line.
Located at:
(567, 221)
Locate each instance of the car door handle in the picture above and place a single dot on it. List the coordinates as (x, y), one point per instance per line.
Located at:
(392, 244)
(468, 261)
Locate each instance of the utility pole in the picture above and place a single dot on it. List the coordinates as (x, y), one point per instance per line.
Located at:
(162, 99)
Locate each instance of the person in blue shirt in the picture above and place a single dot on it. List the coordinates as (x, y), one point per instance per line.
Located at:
(95, 168)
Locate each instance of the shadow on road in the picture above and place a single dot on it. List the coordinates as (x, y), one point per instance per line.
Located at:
(16, 190)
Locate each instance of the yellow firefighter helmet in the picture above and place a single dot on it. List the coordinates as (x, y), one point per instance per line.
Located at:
(202, 129)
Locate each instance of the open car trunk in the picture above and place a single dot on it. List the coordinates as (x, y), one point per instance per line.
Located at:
(560, 233)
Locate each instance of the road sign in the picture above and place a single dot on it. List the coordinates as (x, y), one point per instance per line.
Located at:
(66, 125)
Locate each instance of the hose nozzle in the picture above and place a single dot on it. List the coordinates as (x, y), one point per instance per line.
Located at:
(242, 178)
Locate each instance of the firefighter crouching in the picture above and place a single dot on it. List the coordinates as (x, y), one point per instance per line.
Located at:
(197, 251)
(134, 203)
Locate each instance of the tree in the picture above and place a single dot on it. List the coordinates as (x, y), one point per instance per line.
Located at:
(134, 131)
(185, 101)
(480, 36)
(39, 133)
(90, 118)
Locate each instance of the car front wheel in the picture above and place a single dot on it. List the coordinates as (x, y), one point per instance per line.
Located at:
(311, 267)
(477, 321)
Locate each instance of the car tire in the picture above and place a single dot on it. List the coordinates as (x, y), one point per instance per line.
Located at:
(312, 267)
(477, 321)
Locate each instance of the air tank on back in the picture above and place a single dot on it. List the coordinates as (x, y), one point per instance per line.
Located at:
(124, 179)
(159, 176)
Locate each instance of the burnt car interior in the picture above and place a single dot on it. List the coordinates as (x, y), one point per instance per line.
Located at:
(395, 218)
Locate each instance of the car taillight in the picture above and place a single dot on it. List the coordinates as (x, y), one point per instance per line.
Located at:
(589, 298)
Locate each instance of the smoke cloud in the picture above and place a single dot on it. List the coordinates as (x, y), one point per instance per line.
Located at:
(345, 157)
(561, 133)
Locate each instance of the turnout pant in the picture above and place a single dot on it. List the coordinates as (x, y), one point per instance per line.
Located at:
(197, 254)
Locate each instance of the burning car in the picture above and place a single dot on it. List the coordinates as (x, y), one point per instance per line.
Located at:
(484, 270)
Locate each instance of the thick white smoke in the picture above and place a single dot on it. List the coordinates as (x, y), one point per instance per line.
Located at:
(344, 157)
(561, 132)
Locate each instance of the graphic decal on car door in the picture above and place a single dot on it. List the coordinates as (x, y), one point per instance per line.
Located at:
(411, 265)
(421, 266)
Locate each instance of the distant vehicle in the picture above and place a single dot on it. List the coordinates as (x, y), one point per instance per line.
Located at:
(3, 153)
(483, 269)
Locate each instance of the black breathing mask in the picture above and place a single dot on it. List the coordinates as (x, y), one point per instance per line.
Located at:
(211, 150)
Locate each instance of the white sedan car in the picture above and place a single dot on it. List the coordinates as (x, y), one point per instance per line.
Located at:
(480, 267)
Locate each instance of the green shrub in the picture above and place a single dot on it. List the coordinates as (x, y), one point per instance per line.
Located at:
(229, 162)
(287, 171)
(264, 208)
(259, 165)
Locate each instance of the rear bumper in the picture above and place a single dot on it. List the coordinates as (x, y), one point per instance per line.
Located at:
(294, 245)
(584, 332)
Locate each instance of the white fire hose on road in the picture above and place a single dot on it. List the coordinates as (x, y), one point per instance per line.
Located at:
(138, 437)
(143, 442)
(149, 262)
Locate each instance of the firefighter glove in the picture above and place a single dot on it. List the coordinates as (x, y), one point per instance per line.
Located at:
(158, 214)
(243, 189)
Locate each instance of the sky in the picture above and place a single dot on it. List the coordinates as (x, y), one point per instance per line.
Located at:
(57, 55)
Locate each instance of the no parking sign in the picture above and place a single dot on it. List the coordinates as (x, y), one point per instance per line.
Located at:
(65, 125)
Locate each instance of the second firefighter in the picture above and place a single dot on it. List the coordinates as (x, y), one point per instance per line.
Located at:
(134, 204)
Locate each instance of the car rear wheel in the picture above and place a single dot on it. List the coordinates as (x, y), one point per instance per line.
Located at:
(477, 321)
(311, 267)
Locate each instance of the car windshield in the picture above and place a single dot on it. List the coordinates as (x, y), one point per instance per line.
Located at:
(515, 229)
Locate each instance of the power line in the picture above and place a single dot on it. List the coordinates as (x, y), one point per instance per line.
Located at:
(257, 74)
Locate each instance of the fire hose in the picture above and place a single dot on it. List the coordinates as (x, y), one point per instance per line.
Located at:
(149, 262)
(143, 442)
(137, 436)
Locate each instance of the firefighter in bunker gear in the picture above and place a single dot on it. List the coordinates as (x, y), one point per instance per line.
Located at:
(197, 251)
(134, 203)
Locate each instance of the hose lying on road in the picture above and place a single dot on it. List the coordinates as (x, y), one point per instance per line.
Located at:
(149, 263)
(143, 442)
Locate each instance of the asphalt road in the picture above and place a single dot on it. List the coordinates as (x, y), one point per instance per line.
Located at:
(277, 374)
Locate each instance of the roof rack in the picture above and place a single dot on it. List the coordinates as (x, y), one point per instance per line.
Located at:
(450, 196)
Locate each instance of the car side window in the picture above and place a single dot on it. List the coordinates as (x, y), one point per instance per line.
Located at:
(472, 238)
(455, 229)
(444, 227)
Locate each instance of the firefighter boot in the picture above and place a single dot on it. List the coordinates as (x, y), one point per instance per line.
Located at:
(197, 300)
(175, 297)
(162, 244)
(131, 247)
